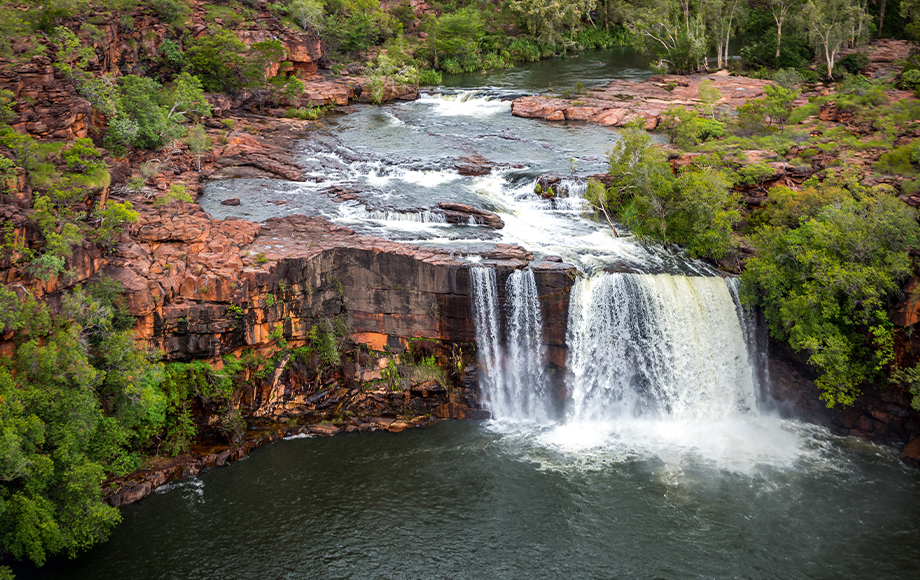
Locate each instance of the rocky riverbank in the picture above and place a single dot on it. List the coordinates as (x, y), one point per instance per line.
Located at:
(621, 102)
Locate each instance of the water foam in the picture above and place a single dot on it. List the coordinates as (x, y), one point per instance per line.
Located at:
(465, 104)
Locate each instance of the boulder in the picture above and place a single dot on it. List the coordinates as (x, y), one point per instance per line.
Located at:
(459, 213)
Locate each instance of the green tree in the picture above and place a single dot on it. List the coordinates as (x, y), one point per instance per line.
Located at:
(259, 61)
(58, 439)
(824, 286)
(198, 143)
(778, 104)
(548, 20)
(722, 17)
(112, 220)
(153, 116)
(177, 195)
(780, 10)
(695, 210)
(455, 35)
(216, 60)
(307, 13)
(667, 31)
(830, 24)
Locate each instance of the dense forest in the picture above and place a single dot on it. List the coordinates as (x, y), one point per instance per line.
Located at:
(81, 402)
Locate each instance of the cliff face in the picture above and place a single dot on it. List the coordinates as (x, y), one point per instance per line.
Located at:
(883, 413)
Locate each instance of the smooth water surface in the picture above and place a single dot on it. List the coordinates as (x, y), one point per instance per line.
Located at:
(554, 75)
(473, 500)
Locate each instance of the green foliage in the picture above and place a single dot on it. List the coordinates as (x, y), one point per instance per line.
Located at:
(695, 210)
(177, 195)
(171, 52)
(198, 142)
(904, 160)
(112, 220)
(153, 115)
(685, 128)
(910, 80)
(824, 285)
(77, 397)
(139, 102)
(709, 99)
(455, 36)
(854, 62)
(310, 114)
(168, 10)
(548, 21)
(307, 13)
(430, 77)
(7, 99)
(391, 376)
(788, 78)
(216, 60)
(286, 89)
(778, 104)
(754, 174)
(908, 379)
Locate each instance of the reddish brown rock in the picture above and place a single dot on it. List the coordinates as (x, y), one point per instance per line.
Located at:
(459, 213)
(907, 312)
(911, 452)
(621, 102)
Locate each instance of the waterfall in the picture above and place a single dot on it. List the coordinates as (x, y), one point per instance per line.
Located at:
(665, 345)
(485, 318)
(512, 379)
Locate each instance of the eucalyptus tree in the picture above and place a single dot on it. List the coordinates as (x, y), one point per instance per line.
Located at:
(668, 30)
(780, 9)
(722, 18)
(548, 19)
(831, 23)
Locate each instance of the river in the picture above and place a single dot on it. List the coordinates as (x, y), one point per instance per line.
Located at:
(667, 461)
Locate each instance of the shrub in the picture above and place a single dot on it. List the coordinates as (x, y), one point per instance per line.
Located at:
(168, 10)
(788, 78)
(430, 77)
(854, 63)
(302, 114)
(910, 80)
(695, 210)
(216, 60)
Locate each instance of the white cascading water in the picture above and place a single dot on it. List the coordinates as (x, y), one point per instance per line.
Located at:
(486, 320)
(661, 345)
(513, 380)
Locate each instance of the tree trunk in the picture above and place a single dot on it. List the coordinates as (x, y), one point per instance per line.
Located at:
(779, 35)
(881, 17)
(719, 54)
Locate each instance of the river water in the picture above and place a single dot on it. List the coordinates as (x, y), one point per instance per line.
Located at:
(666, 461)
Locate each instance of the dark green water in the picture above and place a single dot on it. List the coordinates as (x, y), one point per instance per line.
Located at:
(591, 69)
(461, 500)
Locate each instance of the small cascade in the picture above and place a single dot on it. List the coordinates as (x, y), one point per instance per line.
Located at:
(756, 337)
(513, 380)
(657, 344)
(486, 320)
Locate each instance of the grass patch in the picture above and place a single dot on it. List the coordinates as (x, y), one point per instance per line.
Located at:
(97, 178)
(232, 16)
(43, 174)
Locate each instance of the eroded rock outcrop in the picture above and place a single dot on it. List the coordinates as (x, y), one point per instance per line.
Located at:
(621, 102)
